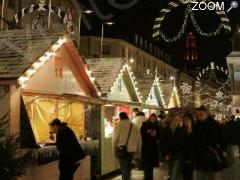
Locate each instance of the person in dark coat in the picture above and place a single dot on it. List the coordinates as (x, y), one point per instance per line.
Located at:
(188, 166)
(206, 134)
(231, 132)
(70, 151)
(175, 143)
(150, 153)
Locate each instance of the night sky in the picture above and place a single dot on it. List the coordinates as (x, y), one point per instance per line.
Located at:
(139, 19)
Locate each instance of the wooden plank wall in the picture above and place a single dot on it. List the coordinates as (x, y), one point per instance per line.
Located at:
(5, 103)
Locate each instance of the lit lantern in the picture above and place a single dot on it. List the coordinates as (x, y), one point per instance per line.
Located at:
(190, 52)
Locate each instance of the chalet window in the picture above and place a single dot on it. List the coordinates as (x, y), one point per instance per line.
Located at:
(106, 49)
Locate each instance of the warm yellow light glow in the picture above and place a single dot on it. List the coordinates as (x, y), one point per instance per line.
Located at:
(89, 72)
(93, 79)
(110, 23)
(30, 72)
(61, 41)
(37, 65)
(58, 44)
(23, 85)
(88, 11)
(23, 79)
(44, 58)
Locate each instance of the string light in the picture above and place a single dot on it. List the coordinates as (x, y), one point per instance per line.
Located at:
(156, 83)
(216, 100)
(127, 68)
(224, 25)
(40, 62)
(186, 89)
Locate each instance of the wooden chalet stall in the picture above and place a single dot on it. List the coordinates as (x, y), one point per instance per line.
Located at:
(119, 89)
(43, 77)
(152, 96)
(170, 95)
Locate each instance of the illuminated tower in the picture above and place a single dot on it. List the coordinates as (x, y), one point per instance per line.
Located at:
(190, 50)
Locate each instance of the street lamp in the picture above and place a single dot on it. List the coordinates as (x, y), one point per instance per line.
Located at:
(131, 60)
(110, 23)
(79, 23)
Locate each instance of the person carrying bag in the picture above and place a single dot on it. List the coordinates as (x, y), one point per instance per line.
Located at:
(122, 151)
(126, 144)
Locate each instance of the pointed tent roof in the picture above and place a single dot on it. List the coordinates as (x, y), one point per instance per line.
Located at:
(158, 83)
(167, 90)
(145, 84)
(23, 52)
(107, 70)
(20, 48)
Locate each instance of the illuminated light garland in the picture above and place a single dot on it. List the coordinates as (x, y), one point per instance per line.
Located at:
(212, 68)
(38, 7)
(22, 80)
(127, 68)
(223, 99)
(186, 88)
(174, 92)
(219, 95)
(39, 63)
(156, 83)
(186, 93)
(224, 25)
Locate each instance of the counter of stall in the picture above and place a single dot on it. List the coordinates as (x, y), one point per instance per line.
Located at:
(42, 163)
(41, 153)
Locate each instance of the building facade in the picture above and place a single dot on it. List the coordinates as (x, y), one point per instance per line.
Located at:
(140, 60)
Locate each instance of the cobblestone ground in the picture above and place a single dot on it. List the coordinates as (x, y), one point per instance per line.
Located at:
(232, 173)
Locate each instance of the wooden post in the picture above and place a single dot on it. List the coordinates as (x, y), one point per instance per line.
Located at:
(2, 16)
(79, 28)
(49, 13)
(102, 34)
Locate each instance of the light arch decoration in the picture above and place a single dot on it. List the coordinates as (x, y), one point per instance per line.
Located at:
(212, 69)
(65, 17)
(189, 14)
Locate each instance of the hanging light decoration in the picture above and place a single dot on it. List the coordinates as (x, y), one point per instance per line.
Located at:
(189, 15)
(210, 74)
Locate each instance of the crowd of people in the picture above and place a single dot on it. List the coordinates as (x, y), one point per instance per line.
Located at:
(186, 141)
